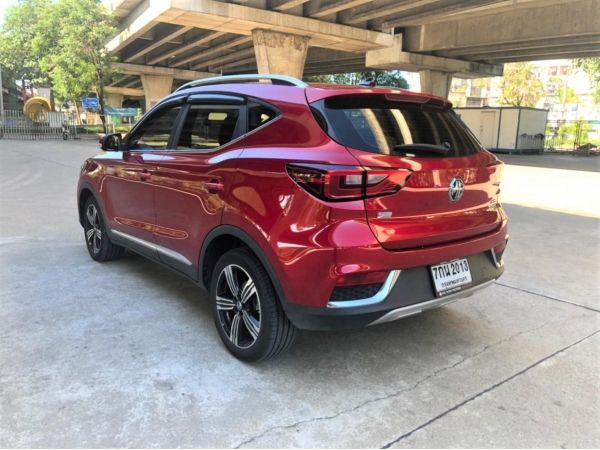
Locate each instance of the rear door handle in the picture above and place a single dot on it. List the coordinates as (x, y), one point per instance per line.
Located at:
(214, 186)
(145, 175)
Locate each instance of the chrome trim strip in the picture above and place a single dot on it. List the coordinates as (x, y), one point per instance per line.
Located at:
(498, 263)
(159, 248)
(380, 296)
(410, 310)
(291, 81)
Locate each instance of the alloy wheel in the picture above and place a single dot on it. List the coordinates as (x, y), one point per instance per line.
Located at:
(93, 233)
(238, 306)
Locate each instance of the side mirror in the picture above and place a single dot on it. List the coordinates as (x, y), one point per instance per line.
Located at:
(111, 142)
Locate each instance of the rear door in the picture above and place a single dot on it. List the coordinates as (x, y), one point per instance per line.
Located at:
(193, 178)
(452, 192)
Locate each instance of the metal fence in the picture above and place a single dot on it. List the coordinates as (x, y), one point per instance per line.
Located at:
(15, 124)
(573, 135)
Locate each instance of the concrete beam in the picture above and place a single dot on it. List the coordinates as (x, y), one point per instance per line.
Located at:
(123, 91)
(141, 23)
(179, 74)
(245, 62)
(371, 13)
(196, 43)
(439, 15)
(321, 8)
(216, 62)
(284, 5)
(239, 19)
(134, 81)
(444, 9)
(215, 50)
(394, 58)
(280, 53)
(168, 38)
(567, 20)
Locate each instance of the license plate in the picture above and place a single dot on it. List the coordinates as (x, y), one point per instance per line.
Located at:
(451, 276)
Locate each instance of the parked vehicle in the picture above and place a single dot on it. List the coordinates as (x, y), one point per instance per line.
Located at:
(300, 206)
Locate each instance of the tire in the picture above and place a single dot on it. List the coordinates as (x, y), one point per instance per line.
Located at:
(99, 245)
(262, 328)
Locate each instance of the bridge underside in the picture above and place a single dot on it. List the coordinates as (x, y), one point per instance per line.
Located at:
(178, 40)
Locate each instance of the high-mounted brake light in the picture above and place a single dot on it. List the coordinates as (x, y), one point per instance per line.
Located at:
(345, 183)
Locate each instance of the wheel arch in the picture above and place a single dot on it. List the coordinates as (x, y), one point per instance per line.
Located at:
(226, 237)
(86, 191)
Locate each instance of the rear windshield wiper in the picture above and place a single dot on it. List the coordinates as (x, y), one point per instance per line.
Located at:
(442, 149)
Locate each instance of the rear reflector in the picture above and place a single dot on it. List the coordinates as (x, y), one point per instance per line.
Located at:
(345, 183)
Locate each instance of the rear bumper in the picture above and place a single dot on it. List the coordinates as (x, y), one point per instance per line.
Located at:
(412, 292)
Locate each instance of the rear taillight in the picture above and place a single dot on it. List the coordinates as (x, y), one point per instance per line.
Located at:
(495, 172)
(344, 183)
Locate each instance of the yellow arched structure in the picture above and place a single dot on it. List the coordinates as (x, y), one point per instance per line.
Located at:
(36, 108)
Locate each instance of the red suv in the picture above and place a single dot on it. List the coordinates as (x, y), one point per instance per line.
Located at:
(300, 206)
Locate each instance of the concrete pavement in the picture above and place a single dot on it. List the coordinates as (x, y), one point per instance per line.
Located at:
(126, 353)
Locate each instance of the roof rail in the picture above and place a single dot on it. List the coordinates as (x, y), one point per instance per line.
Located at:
(275, 79)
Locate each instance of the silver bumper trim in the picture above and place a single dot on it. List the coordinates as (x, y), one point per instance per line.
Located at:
(380, 296)
(410, 310)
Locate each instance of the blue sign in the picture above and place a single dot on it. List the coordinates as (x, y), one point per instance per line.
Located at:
(120, 112)
(90, 103)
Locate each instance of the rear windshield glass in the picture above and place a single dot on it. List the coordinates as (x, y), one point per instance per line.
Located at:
(375, 124)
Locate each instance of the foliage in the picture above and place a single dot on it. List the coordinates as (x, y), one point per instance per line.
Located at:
(520, 85)
(564, 93)
(63, 41)
(18, 58)
(591, 66)
(382, 78)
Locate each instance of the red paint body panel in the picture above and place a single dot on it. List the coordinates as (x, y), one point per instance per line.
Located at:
(308, 242)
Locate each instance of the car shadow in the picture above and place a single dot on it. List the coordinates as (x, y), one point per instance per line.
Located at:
(416, 340)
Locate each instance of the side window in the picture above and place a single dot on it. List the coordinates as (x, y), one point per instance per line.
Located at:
(155, 132)
(208, 126)
(258, 115)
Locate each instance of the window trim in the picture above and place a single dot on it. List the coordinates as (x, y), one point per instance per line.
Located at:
(209, 99)
(172, 102)
(241, 129)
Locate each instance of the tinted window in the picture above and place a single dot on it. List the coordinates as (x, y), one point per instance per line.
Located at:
(154, 132)
(258, 115)
(208, 126)
(374, 124)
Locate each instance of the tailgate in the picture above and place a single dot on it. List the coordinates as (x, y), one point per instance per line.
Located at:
(452, 192)
(428, 211)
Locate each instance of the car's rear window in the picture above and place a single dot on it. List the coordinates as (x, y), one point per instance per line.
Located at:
(376, 124)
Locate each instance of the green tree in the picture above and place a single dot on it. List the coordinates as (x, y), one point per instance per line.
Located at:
(77, 61)
(520, 85)
(18, 57)
(62, 41)
(564, 93)
(591, 66)
(382, 78)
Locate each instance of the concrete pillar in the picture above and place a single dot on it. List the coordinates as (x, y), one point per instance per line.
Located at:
(435, 82)
(155, 88)
(280, 53)
(114, 100)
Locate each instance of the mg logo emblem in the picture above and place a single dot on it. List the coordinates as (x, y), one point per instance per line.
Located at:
(456, 189)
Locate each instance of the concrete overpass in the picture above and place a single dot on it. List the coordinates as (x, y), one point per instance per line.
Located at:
(162, 43)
